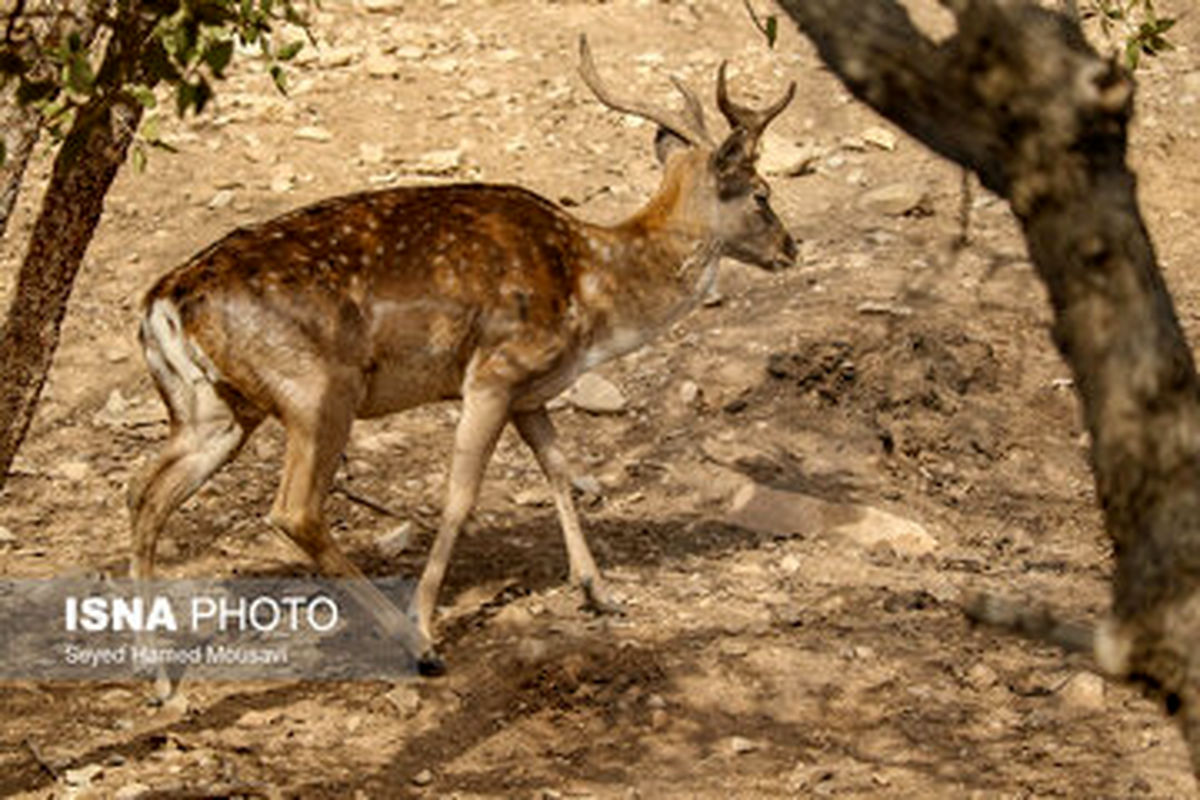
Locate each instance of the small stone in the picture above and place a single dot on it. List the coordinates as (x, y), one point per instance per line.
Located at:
(283, 178)
(7, 536)
(740, 745)
(659, 719)
(596, 394)
(337, 57)
(222, 199)
(383, 6)
(74, 471)
(784, 157)
(1084, 691)
(131, 791)
(587, 484)
(409, 52)
(313, 133)
(981, 677)
(884, 309)
(405, 699)
(514, 617)
(83, 775)
(395, 541)
(531, 498)
(789, 564)
(371, 153)
(689, 392)
(422, 778)
(437, 162)
(381, 66)
(894, 199)
(879, 137)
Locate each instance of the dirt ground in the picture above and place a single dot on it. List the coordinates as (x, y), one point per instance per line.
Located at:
(910, 382)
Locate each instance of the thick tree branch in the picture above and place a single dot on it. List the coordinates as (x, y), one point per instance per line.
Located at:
(1019, 97)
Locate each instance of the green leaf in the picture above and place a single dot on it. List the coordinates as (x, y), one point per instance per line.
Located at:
(280, 77)
(144, 95)
(80, 78)
(772, 30)
(138, 156)
(217, 55)
(1133, 54)
(289, 50)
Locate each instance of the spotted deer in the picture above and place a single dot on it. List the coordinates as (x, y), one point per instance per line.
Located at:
(372, 303)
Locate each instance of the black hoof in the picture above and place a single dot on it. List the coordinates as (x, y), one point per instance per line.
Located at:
(431, 665)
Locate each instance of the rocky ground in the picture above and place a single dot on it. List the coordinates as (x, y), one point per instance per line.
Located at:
(791, 491)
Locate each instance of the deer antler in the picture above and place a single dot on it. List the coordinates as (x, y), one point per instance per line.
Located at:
(739, 116)
(690, 128)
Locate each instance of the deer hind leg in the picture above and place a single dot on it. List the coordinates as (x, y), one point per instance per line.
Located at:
(315, 440)
(484, 414)
(208, 427)
(538, 432)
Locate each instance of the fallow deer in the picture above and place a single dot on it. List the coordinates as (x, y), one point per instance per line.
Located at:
(371, 303)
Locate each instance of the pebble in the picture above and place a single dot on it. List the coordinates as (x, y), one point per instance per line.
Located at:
(981, 677)
(74, 470)
(422, 778)
(382, 66)
(7, 536)
(313, 133)
(395, 541)
(893, 199)
(689, 392)
(371, 153)
(338, 57)
(405, 699)
(1084, 691)
(131, 791)
(382, 6)
(222, 199)
(437, 162)
(596, 394)
(880, 137)
(83, 775)
(740, 745)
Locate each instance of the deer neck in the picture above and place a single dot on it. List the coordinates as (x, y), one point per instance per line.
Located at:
(659, 263)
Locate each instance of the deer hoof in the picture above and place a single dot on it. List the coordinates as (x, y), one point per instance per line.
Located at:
(431, 665)
(597, 599)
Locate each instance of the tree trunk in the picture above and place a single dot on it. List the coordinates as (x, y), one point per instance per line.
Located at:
(84, 169)
(1019, 97)
(20, 128)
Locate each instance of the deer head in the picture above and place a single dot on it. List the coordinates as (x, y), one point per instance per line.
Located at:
(713, 189)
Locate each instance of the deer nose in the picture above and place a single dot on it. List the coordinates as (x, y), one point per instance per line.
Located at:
(788, 252)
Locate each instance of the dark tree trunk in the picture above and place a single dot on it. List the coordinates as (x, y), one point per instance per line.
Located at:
(93, 151)
(1019, 97)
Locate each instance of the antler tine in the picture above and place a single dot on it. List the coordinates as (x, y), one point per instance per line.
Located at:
(694, 108)
(740, 116)
(678, 125)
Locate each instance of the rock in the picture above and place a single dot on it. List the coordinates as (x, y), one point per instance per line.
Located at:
(82, 776)
(114, 411)
(894, 199)
(382, 6)
(981, 677)
(283, 178)
(422, 778)
(596, 394)
(531, 498)
(879, 137)
(313, 133)
(222, 199)
(781, 513)
(395, 541)
(884, 309)
(514, 617)
(740, 745)
(337, 57)
(587, 484)
(381, 66)
(689, 392)
(784, 157)
(405, 699)
(75, 471)
(371, 153)
(1084, 691)
(131, 791)
(437, 162)
(7, 536)
(409, 52)
(1191, 83)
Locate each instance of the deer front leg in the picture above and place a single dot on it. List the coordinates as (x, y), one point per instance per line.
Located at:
(538, 432)
(485, 411)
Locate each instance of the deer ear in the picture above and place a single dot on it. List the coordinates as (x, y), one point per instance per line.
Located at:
(667, 142)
